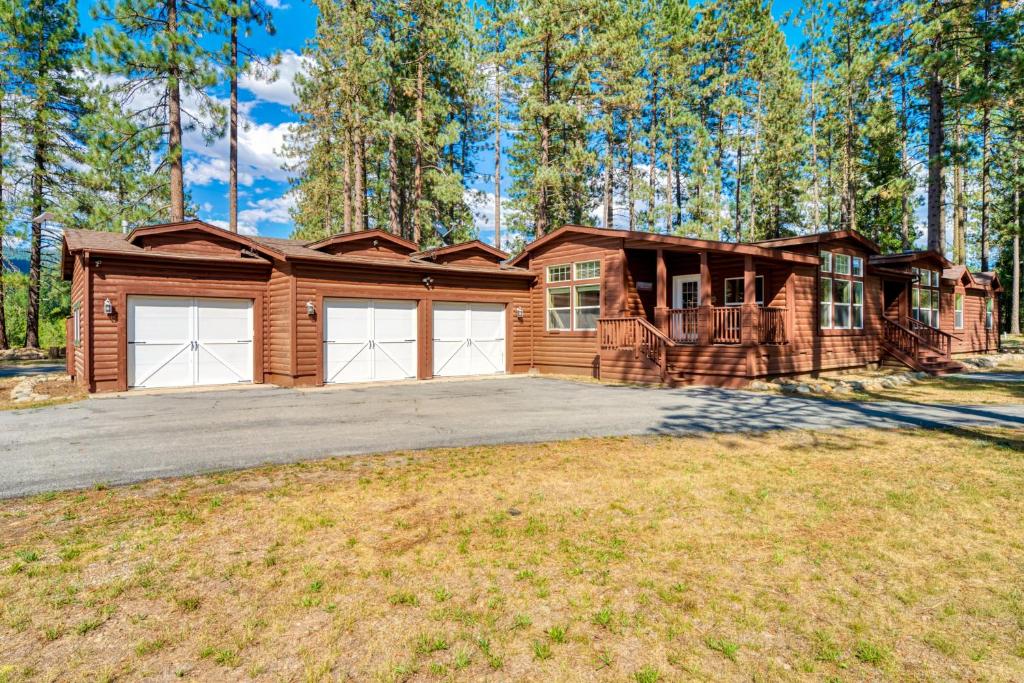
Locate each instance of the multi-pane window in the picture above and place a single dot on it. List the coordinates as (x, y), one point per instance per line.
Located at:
(78, 325)
(561, 273)
(588, 270)
(988, 313)
(559, 308)
(841, 297)
(924, 299)
(572, 306)
(587, 306)
(958, 310)
(734, 291)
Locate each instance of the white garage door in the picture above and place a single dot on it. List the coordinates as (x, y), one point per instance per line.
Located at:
(179, 342)
(469, 339)
(369, 339)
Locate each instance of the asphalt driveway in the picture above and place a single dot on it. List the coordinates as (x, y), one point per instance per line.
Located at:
(135, 437)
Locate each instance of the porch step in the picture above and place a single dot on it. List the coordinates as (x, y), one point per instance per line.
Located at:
(677, 378)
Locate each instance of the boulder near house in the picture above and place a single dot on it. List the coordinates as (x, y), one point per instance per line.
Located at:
(188, 304)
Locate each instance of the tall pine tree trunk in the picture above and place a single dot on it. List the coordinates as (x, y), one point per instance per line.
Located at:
(174, 146)
(670, 173)
(959, 207)
(609, 176)
(738, 219)
(651, 210)
(986, 74)
(497, 159)
(815, 182)
(36, 241)
(4, 343)
(630, 199)
(394, 185)
(906, 238)
(359, 171)
(936, 170)
(417, 185)
(346, 183)
(233, 132)
(541, 224)
(1018, 224)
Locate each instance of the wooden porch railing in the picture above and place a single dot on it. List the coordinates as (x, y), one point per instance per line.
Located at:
(772, 325)
(726, 325)
(726, 322)
(637, 335)
(937, 339)
(682, 324)
(901, 338)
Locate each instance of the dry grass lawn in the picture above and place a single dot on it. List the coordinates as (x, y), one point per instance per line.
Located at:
(858, 555)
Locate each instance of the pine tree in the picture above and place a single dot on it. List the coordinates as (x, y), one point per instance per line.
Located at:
(49, 93)
(7, 48)
(155, 52)
(550, 160)
(237, 58)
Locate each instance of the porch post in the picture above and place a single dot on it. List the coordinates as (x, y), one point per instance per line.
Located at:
(661, 294)
(704, 335)
(749, 316)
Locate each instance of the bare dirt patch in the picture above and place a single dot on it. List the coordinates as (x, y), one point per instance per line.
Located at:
(60, 389)
(856, 555)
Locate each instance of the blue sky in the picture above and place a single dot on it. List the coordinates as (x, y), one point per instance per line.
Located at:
(266, 114)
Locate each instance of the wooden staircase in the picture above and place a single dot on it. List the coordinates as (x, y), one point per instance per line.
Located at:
(637, 351)
(919, 346)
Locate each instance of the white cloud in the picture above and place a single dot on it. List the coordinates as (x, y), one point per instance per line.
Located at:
(269, 210)
(277, 85)
(277, 4)
(243, 228)
(206, 170)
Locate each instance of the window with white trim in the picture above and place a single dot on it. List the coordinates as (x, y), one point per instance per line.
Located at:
(572, 306)
(77, 322)
(958, 310)
(825, 287)
(826, 261)
(561, 273)
(588, 270)
(925, 297)
(734, 291)
(559, 308)
(841, 297)
(989, 308)
(587, 307)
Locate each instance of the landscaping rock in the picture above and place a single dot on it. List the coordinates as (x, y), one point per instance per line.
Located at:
(22, 354)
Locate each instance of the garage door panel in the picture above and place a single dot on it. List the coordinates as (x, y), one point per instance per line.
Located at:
(223, 363)
(394, 360)
(159, 365)
(227, 320)
(159, 319)
(369, 339)
(487, 321)
(347, 320)
(179, 341)
(469, 339)
(347, 362)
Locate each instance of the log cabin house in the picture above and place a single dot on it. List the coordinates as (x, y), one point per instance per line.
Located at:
(188, 304)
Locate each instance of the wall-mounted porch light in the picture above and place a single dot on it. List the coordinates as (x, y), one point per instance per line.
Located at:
(310, 309)
(519, 312)
(428, 281)
(108, 307)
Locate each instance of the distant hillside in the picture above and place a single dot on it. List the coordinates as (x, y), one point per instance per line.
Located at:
(15, 260)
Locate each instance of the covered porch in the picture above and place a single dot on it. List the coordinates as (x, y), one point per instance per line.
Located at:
(720, 295)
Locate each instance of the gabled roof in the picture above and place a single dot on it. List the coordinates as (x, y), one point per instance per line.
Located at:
(462, 246)
(910, 256)
(988, 279)
(361, 236)
(197, 225)
(960, 274)
(668, 240)
(819, 237)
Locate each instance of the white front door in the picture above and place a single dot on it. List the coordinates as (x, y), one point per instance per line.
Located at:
(686, 291)
(369, 339)
(469, 339)
(186, 341)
